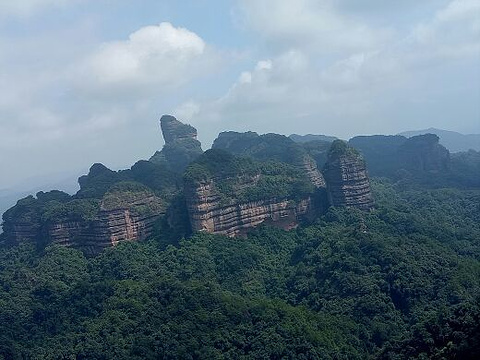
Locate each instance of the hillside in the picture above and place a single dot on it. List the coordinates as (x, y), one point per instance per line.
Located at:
(398, 282)
(261, 247)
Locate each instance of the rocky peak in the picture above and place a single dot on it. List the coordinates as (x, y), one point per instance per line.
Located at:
(181, 144)
(174, 130)
(347, 179)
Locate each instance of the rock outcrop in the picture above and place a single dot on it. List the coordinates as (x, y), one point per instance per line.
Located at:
(109, 228)
(347, 179)
(209, 214)
(18, 231)
(119, 217)
(244, 181)
(315, 176)
(229, 195)
(181, 144)
(176, 131)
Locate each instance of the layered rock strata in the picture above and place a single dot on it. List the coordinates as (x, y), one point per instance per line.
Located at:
(18, 231)
(174, 130)
(208, 213)
(310, 167)
(347, 179)
(108, 228)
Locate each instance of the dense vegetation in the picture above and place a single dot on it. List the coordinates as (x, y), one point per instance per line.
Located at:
(101, 189)
(158, 177)
(244, 179)
(267, 147)
(400, 282)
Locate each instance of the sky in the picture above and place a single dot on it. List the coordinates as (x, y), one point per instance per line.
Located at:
(85, 81)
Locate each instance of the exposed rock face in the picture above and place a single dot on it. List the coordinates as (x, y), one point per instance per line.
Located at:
(347, 180)
(207, 213)
(174, 130)
(16, 232)
(181, 144)
(229, 195)
(110, 226)
(310, 168)
(274, 180)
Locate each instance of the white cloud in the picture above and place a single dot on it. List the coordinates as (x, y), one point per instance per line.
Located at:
(27, 7)
(459, 10)
(160, 56)
(93, 102)
(187, 111)
(320, 66)
(267, 98)
(368, 87)
(453, 32)
(312, 25)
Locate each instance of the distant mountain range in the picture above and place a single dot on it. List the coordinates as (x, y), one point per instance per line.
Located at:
(453, 141)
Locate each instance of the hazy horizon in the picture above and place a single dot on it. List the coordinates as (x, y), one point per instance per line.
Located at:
(87, 81)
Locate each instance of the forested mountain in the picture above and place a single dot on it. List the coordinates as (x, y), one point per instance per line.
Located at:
(453, 141)
(258, 248)
(418, 160)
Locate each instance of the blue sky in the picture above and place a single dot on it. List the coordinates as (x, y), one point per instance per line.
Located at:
(84, 81)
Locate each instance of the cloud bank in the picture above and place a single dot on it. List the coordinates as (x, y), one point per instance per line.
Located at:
(335, 72)
(88, 83)
(97, 107)
(162, 55)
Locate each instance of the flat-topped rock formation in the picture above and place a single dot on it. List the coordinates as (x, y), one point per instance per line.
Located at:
(245, 180)
(86, 224)
(108, 228)
(347, 179)
(208, 213)
(228, 195)
(270, 147)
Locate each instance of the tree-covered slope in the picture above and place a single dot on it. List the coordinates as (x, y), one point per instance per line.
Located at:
(399, 282)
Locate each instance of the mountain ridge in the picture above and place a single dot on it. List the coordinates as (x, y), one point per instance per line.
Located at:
(452, 140)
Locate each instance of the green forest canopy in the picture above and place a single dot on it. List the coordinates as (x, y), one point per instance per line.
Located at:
(400, 282)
